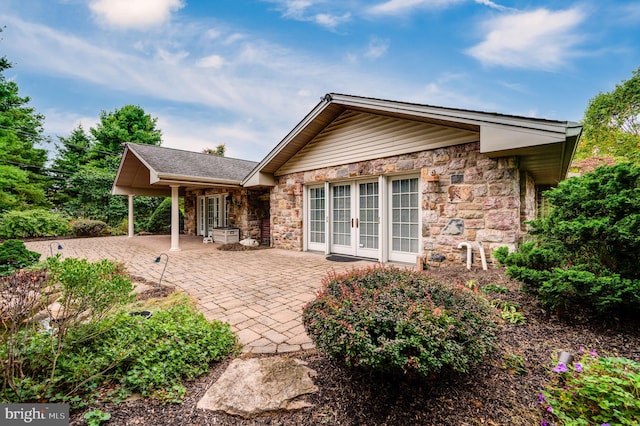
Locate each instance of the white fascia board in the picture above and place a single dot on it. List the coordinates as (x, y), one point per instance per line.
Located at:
(477, 118)
(501, 138)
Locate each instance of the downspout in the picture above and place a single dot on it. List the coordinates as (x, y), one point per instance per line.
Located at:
(468, 246)
(483, 257)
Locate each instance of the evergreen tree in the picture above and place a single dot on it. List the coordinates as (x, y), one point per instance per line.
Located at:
(22, 176)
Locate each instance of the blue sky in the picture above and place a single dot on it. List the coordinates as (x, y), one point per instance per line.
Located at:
(244, 73)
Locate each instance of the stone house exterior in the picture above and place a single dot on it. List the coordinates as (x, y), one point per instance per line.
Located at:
(387, 180)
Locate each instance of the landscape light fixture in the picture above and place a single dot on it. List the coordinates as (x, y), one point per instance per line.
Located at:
(51, 247)
(165, 266)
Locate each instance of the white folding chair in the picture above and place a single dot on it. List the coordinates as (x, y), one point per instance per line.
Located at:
(209, 238)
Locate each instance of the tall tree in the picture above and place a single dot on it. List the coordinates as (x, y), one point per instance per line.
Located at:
(612, 123)
(127, 124)
(23, 176)
(88, 190)
(71, 154)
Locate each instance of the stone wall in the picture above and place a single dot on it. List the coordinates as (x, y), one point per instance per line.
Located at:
(286, 212)
(234, 211)
(245, 209)
(475, 199)
(256, 209)
(528, 201)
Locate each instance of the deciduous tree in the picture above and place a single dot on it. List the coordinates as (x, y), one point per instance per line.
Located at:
(612, 123)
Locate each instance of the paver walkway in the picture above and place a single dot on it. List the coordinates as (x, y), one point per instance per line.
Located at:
(260, 292)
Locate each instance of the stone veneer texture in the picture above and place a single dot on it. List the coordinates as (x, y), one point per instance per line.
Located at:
(476, 199)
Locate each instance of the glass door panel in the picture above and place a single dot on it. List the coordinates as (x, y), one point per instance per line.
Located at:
(367, 225)
(405, 223)
(341, 219)
(316, 214)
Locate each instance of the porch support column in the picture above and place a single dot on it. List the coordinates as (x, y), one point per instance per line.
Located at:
(175, 219)
(130, 224)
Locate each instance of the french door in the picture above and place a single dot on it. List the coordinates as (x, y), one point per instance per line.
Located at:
(355, 219)
(378, 219)
(212, 213)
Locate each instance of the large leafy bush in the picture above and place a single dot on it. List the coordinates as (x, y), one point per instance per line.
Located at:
(15, 255)
(587, 250)
(392, 320)
(160, 220)
(33, 223)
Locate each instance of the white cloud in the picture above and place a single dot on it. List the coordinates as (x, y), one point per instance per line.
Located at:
(136, 14)
(295, 8)
(539, 39)
(171, 58)
(399, 7)
(377, 48)
(331, 21)
(396, 7)
(211, 61)
(491, 4)
(307, 11)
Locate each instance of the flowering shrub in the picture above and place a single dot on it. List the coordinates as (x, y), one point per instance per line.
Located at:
(593, 391)
(392, 320)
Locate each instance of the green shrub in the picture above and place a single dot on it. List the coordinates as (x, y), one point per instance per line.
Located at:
(160, 220)
(172, 345)
(588, 248)
(91, 288)
(15, 255)
(94, 343)
(33, 224)
(133, 355)
(593, 391)
(90, 228)
(391, 320)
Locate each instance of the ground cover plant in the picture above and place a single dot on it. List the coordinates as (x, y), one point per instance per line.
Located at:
(399, 321)
(89, 345)
(593, 390)
(587, 249)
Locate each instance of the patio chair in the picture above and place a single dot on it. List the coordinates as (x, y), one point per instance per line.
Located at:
(209, 238)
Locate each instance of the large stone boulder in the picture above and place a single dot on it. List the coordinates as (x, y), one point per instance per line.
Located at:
(256, 386)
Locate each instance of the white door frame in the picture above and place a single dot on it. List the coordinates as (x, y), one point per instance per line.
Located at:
(399, 255)
(204, 212)
(352, 208)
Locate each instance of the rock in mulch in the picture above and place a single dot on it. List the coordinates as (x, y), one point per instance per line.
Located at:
(255, 386)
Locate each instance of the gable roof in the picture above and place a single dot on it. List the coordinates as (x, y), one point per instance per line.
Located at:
(545, 147)
(151, 170)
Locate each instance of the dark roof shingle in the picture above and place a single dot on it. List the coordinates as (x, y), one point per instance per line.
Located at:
(193, 164)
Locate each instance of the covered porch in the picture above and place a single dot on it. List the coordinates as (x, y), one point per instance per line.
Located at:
(148, 170)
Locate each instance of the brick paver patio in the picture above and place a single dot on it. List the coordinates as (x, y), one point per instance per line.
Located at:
(260, 292)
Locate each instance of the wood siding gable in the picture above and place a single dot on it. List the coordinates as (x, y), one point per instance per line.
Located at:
(357, 136)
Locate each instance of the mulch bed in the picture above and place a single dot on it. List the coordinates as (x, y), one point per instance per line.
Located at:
(497, 392)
